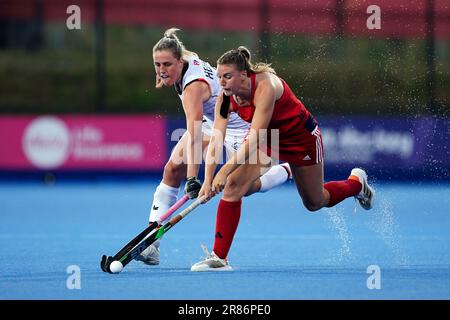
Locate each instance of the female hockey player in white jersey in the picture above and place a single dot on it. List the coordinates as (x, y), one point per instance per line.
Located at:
(197, 85)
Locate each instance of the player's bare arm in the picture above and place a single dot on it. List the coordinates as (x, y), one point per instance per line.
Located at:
(215, 147)
(193, 97)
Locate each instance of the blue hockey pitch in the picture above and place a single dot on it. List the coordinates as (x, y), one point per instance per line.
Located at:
(280, 251)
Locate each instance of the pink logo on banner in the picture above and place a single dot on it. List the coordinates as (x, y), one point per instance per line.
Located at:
(83, 142)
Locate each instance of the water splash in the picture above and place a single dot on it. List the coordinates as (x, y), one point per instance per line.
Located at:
(385, 225)
(337, 223)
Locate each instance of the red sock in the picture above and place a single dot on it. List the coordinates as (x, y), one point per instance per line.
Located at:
(340, 190)
(228, 214)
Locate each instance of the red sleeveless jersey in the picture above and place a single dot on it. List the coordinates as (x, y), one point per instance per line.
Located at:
(287, 107)
(300, 141)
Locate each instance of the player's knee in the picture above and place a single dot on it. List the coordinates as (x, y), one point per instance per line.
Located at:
(174, 171)
(312, 205)
(235, 187)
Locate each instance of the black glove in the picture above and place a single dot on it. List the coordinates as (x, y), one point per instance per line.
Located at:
(192, 187)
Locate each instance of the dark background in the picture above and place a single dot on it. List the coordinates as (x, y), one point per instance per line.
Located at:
(323, 48)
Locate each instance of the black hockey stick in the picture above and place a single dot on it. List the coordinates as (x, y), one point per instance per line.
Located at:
(156, 234)
(106, 260)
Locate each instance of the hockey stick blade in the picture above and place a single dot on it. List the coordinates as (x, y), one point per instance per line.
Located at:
(105, 263)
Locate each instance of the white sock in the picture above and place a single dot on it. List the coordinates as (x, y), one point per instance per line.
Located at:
(274, 177)
(165, 196)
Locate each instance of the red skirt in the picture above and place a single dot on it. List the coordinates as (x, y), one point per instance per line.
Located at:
(300, 142)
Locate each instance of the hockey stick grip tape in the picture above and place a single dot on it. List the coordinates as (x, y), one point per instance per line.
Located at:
(174, 208)
(192, 206)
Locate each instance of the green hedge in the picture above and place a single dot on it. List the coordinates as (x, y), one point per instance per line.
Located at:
(331, 76)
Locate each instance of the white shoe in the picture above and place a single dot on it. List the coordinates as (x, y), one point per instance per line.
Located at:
(211, 263)
(367, 194)
(150, 255)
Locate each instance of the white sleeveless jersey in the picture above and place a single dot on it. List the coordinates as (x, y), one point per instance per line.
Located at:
(196, 69)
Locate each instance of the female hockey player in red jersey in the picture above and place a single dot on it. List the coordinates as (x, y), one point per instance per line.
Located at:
(265, 100)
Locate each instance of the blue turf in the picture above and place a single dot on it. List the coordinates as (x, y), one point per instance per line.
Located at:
(280, 251)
